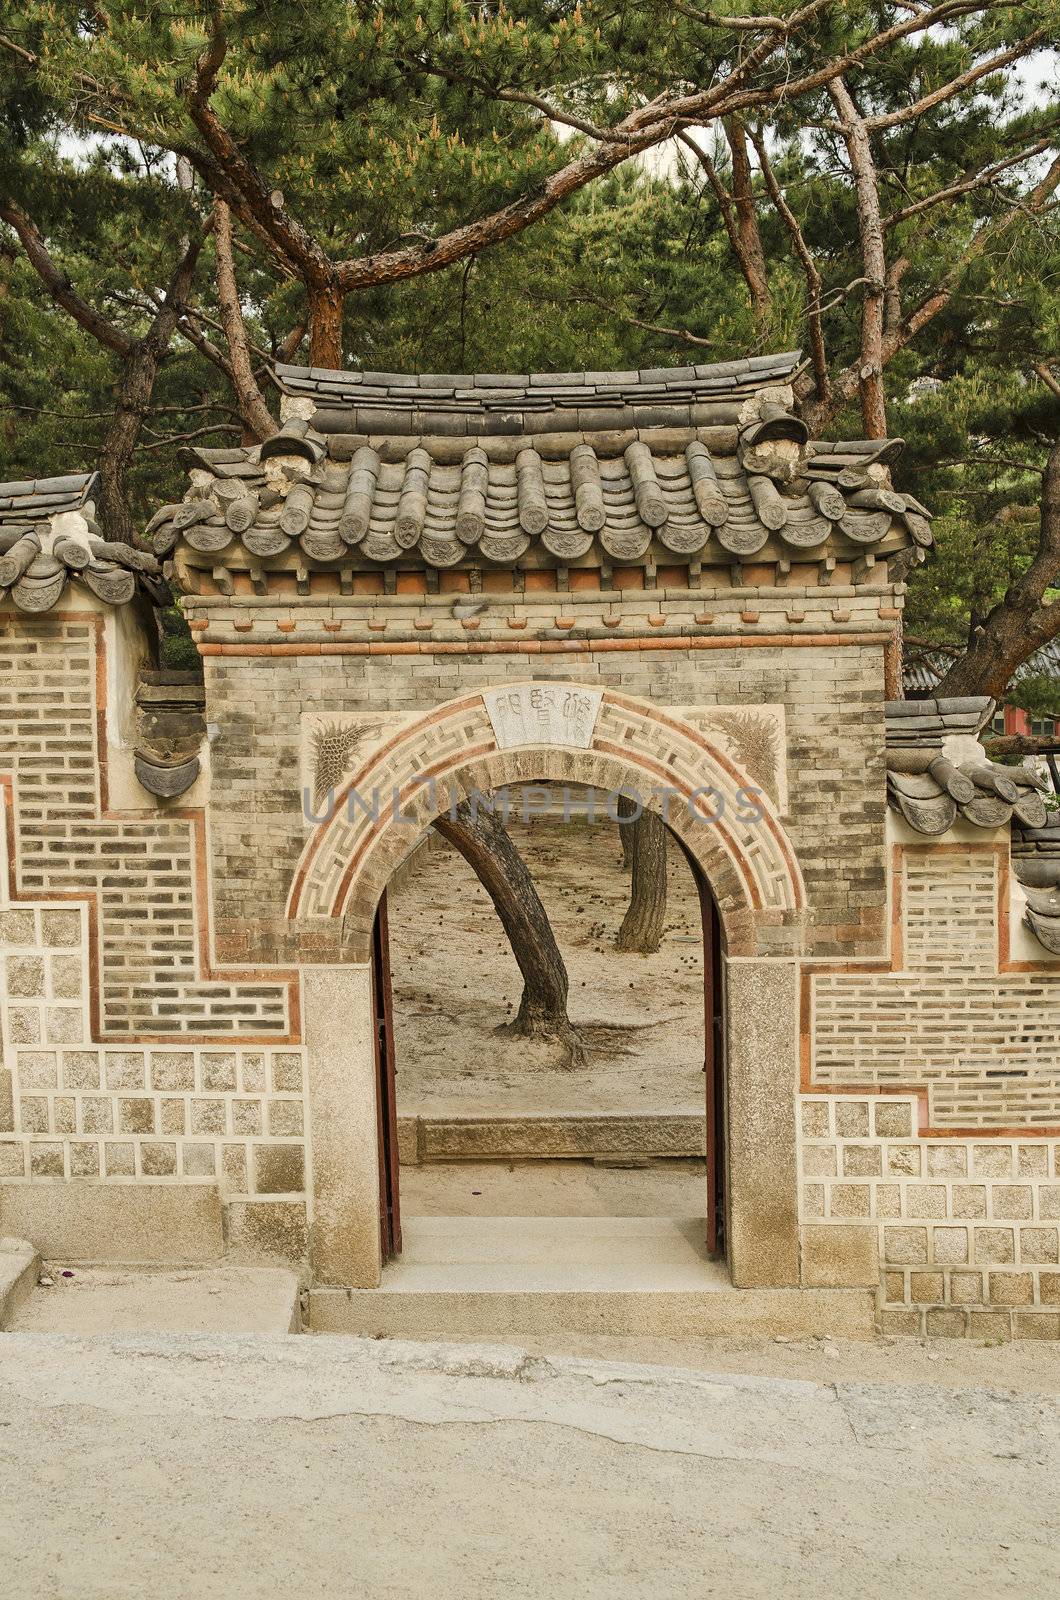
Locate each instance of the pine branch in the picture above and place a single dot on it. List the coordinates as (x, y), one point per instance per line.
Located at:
(966, 185)
(58, 283)
(814, 322)
(873, 260)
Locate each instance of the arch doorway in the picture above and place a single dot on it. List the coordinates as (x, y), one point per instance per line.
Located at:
(640, 1116)
(758, 907)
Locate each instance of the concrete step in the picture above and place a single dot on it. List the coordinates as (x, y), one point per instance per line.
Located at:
(106, 1300)
(512, 1277)
(19, 1271)
(679, 1133)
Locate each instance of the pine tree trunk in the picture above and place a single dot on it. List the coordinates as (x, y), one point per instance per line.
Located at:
(642, 925)
(325, 325)
(135, 386)
(483, 841)
(627, 811)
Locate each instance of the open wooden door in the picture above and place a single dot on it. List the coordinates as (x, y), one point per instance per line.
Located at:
(713, 1068)
(386, 1095)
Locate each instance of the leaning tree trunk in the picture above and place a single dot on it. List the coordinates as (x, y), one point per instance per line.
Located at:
(1023, 620)
(627, 813)
(483, 841)
(642, 925)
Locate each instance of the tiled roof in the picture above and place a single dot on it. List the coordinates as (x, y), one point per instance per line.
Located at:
(32, 500)
(380, 469)
(48, 535)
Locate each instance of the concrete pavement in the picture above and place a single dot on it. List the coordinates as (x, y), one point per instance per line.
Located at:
(253, 1466)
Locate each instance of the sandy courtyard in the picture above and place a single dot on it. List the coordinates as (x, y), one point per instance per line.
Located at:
(455, 981)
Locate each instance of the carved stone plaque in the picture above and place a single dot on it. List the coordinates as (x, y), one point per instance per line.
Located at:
(335, 745)
(543, 713)
(754, 736)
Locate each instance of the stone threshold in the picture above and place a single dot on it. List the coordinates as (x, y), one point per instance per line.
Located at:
(713, 1312)
(511, 1277)
(548, 1136)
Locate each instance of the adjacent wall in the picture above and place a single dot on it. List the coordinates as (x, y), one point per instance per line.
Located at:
(167, 1029)
(957, 1187)
(126, 1059)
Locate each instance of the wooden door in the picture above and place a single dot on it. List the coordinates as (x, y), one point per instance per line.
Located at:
(386, 1095)
(713, 1068)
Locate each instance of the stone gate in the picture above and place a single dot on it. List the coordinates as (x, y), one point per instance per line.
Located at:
(426, 585)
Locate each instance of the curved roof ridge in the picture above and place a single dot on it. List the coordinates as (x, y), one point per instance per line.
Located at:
(459, 403)
(31, 499)
(789, 359)
(749, 372)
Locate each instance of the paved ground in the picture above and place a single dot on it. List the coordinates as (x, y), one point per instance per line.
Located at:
(246, 1467)
(226, 1299)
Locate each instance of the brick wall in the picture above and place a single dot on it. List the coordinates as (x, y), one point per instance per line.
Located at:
(983, 1043)
(967, 1228)
(121, 1058)
(131, 1051)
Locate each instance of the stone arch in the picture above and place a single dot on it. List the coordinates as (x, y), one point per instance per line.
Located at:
(468, 744)
(606, 740)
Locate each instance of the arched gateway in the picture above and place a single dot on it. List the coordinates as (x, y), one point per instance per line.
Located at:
(563, 732)
(569, 734)
(427, 586)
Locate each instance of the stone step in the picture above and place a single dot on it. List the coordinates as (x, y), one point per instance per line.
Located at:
(19, 1271)
(431, 1313)
(620, 1186)
(600, 1249)
(512, 1277)
(489, 1137)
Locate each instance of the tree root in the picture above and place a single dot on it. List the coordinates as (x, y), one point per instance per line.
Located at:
(549, 1030)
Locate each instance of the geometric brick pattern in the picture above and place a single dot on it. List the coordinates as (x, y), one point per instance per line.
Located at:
(71, 1107)
(983, 1043)
(969, 1231)
(751, 864)
(138, 873)
(106, 1017)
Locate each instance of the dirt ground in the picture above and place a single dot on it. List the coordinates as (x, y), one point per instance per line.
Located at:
(456, 981)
